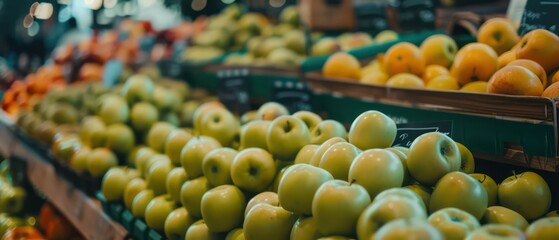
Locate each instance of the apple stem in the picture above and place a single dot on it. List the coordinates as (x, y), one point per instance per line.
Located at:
(484, 177)
(514, 173)
(352, 181)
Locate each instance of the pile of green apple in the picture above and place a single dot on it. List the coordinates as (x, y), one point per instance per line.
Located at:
(12, 201)
(274, 175)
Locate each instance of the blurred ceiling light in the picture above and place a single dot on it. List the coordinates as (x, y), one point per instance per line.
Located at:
(27, 21)
(146, 3)
(64, 14)
(33, 30)
(93, 4)
(33, 8)
(109, 3)
(109, 12)
(228, 1)
(43, 11)
(103, 19)
(277, 3)
(198, 5)
(64, 2)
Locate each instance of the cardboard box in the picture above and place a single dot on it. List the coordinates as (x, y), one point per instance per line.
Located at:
(327, 15)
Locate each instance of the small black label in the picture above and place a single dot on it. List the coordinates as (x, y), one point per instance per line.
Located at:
(540, 14)
(233, 89)
(408, 132)
(294, 96)
(414, 15)
(370, 16)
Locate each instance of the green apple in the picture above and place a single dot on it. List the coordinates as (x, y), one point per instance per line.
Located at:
(279, 175)
(305, 229)
(113, 184)
(253, 170)
(327, 129)
(100, 161)
(403, 193)
(408, 229)
(191, 195)
(372, 129)
(298, 185)
(132, 189)
(137, 151)
(12, 199)
(193, 153)
(141, 160)
(176, 178)
(263, 197)
(220, 124)
(199, 230)
(138, 88)
(157, 135)
(338, 158)
(337, 205)
(174, 143)
(253, 134)
(490, 186)
(309, 118)
(78, 161)
(405, 150)
(120, 138)
(423, 192)
(385, 210)
(177, 223)
(113, 109)
(317, 156)
(459, 190)
(216, 166)
(89, 125)
(265, 221)
(141, 201)
(249, 117)
(143, 116)
(223, 207)
(496, 232)
(271, 110)
(453, 223)
(305, 154)
(467, 161)
(526, 193)
(187, 112)
(164, 99)
(384, 165)
(544, 228)
(235, 234)
(98, 138)
(432, 155)
(200, 112)
(404, 159)
(157, 210)
(286, 136)
(503, 215)
(156, 175)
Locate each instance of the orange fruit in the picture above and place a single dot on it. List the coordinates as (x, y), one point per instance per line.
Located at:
(405, 80)
(404, 58)
(541, 46)
(443, 82)
(533, 67)
(433, 71)
(342, 65)
(474, 62)
(554, 77)
(515, 80)
(552, 91)
(376, 77)
(498, 33)
(477, 86)
(505, 59)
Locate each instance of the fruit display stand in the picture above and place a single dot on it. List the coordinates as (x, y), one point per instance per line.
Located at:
(81, 211)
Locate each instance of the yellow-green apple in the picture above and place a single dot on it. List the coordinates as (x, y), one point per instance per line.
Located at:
(386, 36)
(309, 118)
(175, 180)
(539, 45)
(113, 109)
(325, 46)
(157, 135)
(199, 230)
(335, 238)
(156, 177)
(91, 124)
(143, 115)
(138, 88)
(220, 124)
(113, 184)
(404, 159)
(337, 205)
(193, 153)
(216, 166)
(383, 164)
(187, 111)
(498, 33)
(271, 110)
(248, 117)
(155, 159)
(317, 156)
(432, 155)
(503, 215)
(191, 195)
(544, 228)
(327, 129)
(142, 158)
(286, 136)
(526, 193)
(408, 228)
(438, 49)
(338, 158)
(177, 223)
(263, 197)
(423, 192)
(459, 190)
(141, 201)
(372, 129)
(235, 234)
(385, 210)
(200, 112)
(174, 143)
(136, 152)
(496, 232)
(253, 134)
(453, 223)
(100, 161)
(120, 139)
(305, 229)
(306, 153)
(253, 170)
(298, 185)
(78, 161)
(157, 211)
(405, 150)
(266, 221)
(403, 193)
(166, 100)
(467, 162)
(132, 189)
(223, 207)
(490, 186)
(279, 175)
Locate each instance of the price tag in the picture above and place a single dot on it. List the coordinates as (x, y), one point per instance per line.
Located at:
(233, 89)
(294, 96)
(540, 14)
(414, 15)
(111, 72)
(370, 16)
(408, 132)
